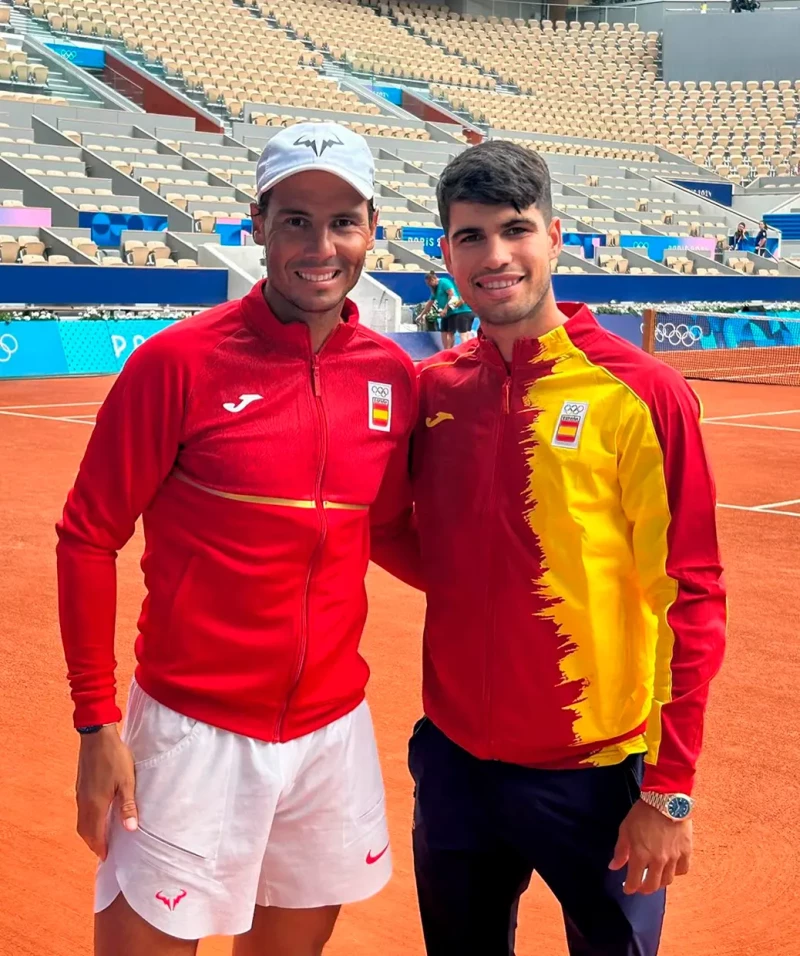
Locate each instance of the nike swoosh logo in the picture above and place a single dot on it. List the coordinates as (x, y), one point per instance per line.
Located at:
(374, 859)
(244, 401)
(438, 418)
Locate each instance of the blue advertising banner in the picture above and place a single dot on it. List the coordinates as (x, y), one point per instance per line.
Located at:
(430, 239)
(81, 54)
(749, 245)
(628, 327)
(655, 246)
(112, 285)
(39, 349)
(697, 333)
(107, 227)
(588, 240)
(30, 349)
(87, 347)
(391, 93)
(126, 335)
(232, 233)
(716, 192)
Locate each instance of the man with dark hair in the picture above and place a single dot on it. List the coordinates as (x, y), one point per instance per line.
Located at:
(263, 442)
(454, 314)
(560, 477)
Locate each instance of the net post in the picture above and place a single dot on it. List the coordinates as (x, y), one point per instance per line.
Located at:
(649, 331)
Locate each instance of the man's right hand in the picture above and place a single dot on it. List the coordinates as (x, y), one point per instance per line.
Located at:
(105, 776)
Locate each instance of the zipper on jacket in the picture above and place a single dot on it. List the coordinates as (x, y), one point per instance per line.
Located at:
(316, 388)
(489, 647)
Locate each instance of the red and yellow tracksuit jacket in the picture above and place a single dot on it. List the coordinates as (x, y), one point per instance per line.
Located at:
(260, 470)
(566, 516)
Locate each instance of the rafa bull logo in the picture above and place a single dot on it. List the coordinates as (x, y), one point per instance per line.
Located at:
(170, 898)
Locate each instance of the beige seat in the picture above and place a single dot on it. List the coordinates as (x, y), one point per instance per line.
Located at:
(158, 250)
(9, 249)
(86, 246)
(138, 255)
(59, 260)
(31, 245)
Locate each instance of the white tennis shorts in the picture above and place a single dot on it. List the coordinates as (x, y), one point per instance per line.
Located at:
(227, 822)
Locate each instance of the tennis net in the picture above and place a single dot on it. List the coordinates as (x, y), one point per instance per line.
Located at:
(726, 347)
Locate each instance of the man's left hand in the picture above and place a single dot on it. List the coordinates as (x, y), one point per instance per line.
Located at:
(655, 848)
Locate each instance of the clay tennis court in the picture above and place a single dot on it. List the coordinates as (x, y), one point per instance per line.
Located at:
(743, 895)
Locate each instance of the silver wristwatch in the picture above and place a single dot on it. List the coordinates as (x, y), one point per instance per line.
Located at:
(676, 806)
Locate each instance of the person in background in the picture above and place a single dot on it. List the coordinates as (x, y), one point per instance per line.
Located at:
(738, 237)
(454, 314)
(761, 240)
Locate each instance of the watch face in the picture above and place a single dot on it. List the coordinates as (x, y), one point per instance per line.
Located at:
(679, 808)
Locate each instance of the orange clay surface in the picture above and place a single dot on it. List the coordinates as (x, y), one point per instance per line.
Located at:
(742, 897)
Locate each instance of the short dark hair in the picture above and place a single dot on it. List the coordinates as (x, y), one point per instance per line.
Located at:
(497, 173)
(263, 202)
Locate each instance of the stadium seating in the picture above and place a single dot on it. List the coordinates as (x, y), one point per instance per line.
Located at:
(587, 97)
(369, 43)
(594, 81)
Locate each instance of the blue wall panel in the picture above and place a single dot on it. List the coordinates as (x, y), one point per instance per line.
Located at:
(30, 349)
(715, 191)
(112, 285)
(87, 347)
(411, 288)
(125, 335)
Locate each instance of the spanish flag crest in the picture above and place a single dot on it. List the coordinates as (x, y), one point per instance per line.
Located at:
(380, 406)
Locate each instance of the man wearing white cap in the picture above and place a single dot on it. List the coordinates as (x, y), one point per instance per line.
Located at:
(263, 442)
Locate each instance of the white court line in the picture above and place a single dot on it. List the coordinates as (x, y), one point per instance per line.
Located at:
(729, 418)
(778, 504)
(768, 428)
(761, 511)
(15, 408)
(44, 418)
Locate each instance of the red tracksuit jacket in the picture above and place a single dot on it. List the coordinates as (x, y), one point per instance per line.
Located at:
(258, 468)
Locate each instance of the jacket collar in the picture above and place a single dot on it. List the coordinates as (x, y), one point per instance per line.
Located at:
(293, 337)
(580, 325)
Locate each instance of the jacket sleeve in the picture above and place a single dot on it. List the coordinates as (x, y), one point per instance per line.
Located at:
(394, 540)
(669, 497)
(130, 452)
(394, 544)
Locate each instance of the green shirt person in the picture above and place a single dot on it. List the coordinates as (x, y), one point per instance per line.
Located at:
(454, 314)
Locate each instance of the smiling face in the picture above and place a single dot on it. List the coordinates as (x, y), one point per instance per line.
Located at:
(316, 230)
(500, 259)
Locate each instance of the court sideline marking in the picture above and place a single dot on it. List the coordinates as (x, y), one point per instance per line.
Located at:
(728, 418)
(767, 428)
(762, 510)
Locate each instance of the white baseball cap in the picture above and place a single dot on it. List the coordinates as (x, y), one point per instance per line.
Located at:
(322, 146)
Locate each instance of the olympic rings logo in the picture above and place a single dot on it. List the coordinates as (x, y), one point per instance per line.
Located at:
(677, 334)
(381, 391)
(576, 408)
(8, 346)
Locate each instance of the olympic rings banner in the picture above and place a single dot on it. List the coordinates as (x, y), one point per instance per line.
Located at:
(30, 349)
(689, 333)
(39, 349)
